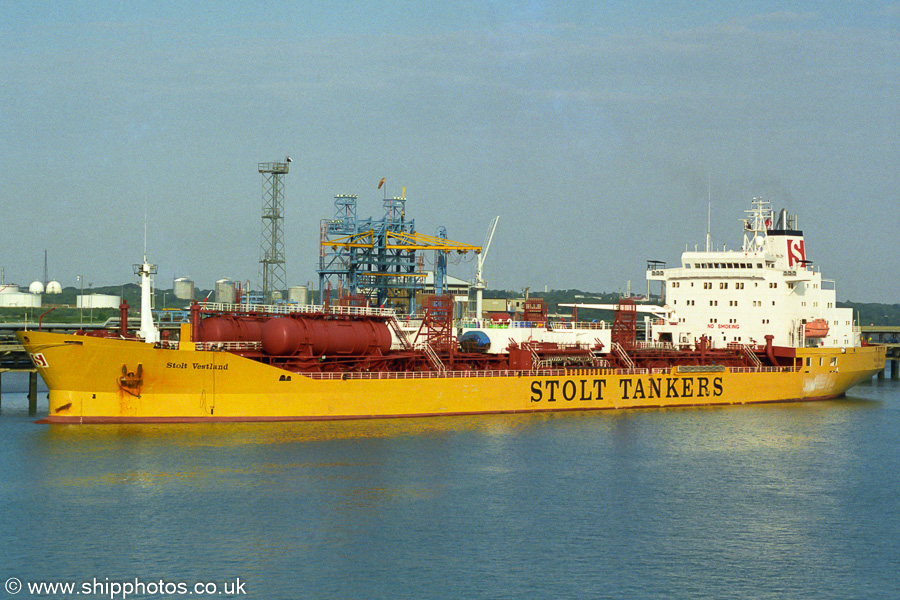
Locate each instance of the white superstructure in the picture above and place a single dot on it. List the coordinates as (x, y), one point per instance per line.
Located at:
(739, 296)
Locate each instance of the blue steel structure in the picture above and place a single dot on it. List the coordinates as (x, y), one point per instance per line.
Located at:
(356, 255)
(440, 265)
(378, 257)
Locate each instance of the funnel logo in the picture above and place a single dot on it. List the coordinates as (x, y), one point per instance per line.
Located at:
(796, 253)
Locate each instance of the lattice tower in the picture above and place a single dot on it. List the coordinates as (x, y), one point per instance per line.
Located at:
(272, 275)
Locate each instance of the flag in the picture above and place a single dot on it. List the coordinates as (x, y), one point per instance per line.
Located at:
(381, 183)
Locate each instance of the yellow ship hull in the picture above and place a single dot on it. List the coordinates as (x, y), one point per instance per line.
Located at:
(94, 380)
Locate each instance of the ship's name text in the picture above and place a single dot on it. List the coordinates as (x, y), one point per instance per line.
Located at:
(551, 390)
(196, 366)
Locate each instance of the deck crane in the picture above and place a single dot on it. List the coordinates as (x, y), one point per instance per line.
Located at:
(479, 284)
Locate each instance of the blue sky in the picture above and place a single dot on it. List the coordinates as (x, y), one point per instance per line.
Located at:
(593, 131)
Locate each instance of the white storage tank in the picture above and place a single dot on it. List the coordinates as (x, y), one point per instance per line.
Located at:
(183, 288)
(299, 294)
(225, 291)
(11, 296)
(54, 288)
(36, 287)
(97, 301)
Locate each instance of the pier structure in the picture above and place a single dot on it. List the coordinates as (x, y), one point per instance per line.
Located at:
(888, 336)
(379, 259)
(14, 358)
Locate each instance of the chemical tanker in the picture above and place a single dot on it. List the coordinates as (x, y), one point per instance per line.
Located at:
(758, 324)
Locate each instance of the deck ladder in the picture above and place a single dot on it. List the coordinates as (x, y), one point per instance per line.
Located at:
(620, 352)
(401, 336)
(433, 358)
(752, 355)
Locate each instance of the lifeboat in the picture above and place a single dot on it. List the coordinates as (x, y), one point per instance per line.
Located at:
(817, 328)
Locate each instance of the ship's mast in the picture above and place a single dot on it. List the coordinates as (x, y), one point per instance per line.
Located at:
(708, 211)
(148, 329)
(761, 218)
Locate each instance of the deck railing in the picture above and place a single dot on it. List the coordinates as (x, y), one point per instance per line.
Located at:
(574, 371)
(283, 309)
(764, 369)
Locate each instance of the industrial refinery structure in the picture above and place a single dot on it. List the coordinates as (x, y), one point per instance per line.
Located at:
(380, 260)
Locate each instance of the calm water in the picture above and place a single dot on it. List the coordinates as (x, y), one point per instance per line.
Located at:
(775, 501)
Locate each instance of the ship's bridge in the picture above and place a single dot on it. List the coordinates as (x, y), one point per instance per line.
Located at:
(733, 264)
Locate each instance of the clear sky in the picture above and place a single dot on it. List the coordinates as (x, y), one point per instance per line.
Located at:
(595, 130)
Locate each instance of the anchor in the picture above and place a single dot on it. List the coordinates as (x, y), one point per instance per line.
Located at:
(131, 381)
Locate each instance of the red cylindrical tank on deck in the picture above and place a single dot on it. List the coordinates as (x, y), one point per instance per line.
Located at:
(285, 336)
(227, 328)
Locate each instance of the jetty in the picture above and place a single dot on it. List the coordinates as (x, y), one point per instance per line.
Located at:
(888, 336)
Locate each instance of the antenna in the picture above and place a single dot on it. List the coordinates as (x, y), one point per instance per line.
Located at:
(145, 229)
(708, 208)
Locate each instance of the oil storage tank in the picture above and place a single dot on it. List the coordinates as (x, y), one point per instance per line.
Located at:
(97, 301)
(183, 288)
(225, 292)
(299, 294)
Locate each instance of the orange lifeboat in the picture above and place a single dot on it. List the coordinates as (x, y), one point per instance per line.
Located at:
(817, 328)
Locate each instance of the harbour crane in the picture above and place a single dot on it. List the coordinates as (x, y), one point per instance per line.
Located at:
(479, 284)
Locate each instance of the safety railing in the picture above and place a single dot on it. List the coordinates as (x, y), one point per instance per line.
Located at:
(297, 308)
(764, 369)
